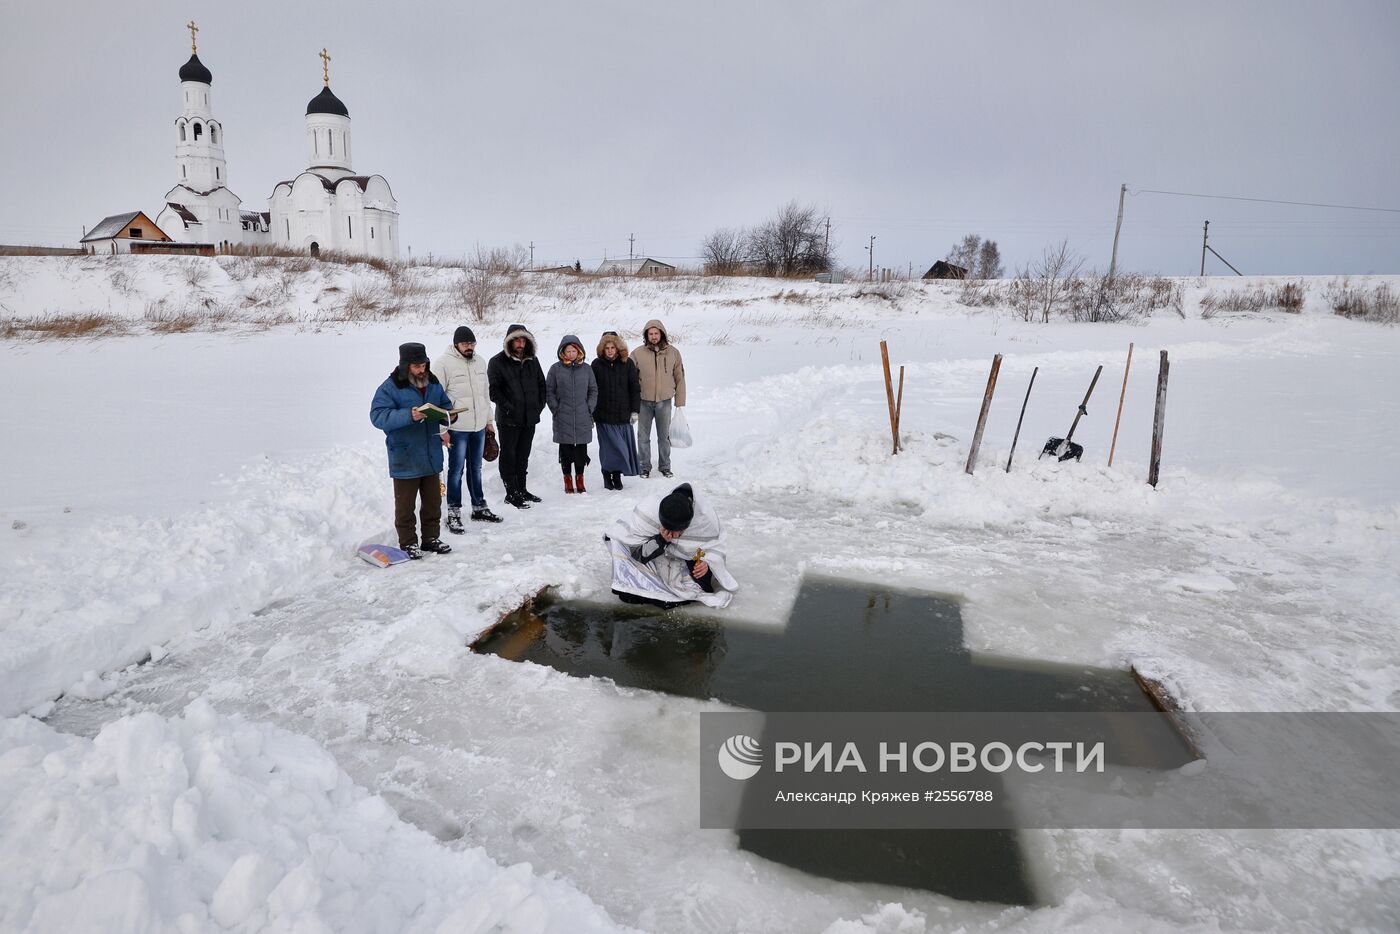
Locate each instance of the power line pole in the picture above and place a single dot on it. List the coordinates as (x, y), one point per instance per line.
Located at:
(1205, 236)
(828, 235)
(870, 276)
(631, 239)
(532, 254)
(1113, 263)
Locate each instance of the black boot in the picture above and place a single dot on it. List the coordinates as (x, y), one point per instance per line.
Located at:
(617, 479)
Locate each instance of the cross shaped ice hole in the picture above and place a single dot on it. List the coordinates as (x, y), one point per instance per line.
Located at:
(847, 647)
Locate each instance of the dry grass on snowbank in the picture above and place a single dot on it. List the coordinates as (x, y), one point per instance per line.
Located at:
(59, 326)
(1380, 304)
(1287, 296)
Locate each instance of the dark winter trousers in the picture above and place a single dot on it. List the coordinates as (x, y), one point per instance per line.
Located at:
(573, 458)
(406, 495)
(515, 455)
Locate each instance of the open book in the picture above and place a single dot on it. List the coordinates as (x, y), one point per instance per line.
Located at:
(436, 413)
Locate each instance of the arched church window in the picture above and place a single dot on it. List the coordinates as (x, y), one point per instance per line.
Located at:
(182, 132)
(213, 132)
(198, 131)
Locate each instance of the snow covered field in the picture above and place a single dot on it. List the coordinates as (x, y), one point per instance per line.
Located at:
(201, 506)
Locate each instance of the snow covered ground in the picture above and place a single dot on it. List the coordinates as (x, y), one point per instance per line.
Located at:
(201, 508)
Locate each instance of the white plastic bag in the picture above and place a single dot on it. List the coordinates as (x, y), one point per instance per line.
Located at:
(680, 430)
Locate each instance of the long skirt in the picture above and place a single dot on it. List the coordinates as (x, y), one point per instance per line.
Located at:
(617, 449)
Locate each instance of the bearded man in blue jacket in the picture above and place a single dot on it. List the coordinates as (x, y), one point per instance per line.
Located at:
(415, 447)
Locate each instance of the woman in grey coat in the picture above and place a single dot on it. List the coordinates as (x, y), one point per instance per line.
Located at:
(571, 393)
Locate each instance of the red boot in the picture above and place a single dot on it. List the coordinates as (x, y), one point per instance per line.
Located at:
(578, 483)
(568, 484)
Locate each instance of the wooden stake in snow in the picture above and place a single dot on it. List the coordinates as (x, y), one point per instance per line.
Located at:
(1159, 421)
(889, 395)
(1121, 396)
(982, 415)
(1016, 437)
(899, 405)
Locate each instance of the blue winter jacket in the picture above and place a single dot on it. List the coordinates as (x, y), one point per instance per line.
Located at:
(414, 448)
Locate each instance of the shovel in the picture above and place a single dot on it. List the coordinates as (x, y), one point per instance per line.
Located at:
(1065, 448)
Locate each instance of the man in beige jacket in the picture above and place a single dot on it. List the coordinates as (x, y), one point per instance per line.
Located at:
(463, 375)
(663, 381)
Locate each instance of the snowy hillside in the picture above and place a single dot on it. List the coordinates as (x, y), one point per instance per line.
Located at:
(186, 483)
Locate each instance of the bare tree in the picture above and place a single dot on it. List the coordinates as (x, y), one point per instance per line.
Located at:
(981, 258)
(499, 259)
(964, 254)
(484, 276)
(724, 251)
(792, 242)
(988, 261)
(1050, 280)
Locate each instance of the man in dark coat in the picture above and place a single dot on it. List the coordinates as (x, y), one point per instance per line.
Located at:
(518, 390)
(415, 447)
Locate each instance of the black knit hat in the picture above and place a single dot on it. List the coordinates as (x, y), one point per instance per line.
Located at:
(463, 335)
(677, 509)
(412, 353)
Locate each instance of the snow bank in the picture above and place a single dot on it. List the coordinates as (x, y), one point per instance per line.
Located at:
(110, 597)
(211, 823)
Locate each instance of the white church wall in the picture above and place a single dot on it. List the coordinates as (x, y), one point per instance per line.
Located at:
(174, 226)
(328, 143)
(196, 98)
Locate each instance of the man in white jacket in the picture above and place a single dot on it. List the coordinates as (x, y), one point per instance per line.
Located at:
(463, 376)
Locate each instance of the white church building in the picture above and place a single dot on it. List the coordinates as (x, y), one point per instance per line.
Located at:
(325, 207)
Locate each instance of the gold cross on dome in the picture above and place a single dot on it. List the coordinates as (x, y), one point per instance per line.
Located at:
(325, 68)
(193, 29)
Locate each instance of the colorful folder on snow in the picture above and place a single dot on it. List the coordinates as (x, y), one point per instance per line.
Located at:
(383, 556)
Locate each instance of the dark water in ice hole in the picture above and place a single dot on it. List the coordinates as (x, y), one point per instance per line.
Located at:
(849, 648)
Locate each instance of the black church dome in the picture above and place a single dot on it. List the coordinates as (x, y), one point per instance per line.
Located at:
(326, 103)
(194, 70)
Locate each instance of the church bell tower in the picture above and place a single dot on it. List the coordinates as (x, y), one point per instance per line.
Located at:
(199, 137)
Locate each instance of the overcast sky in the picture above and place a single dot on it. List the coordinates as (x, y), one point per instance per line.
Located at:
(575, 124)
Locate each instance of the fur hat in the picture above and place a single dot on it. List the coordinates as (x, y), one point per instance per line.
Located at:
(610, 337)
(412, 353)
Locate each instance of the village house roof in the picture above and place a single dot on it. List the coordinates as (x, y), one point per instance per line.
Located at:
(630, 266)
(110, 226)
